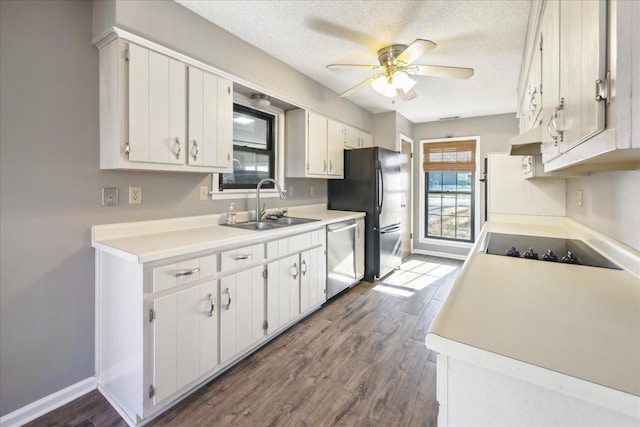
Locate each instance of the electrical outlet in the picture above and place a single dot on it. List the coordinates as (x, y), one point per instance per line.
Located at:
(135, 195)
(312, 190)
(204, 193)
(579, 197)
(290, 192)
(109, 196)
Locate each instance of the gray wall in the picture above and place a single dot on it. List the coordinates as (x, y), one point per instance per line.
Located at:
(611, 204)
(50, 184)
(494, 132)
(387, 128)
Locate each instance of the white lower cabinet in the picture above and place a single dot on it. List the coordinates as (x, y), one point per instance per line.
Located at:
(185, 338)
(359, 252)
(241, 311)
(296, 278)
(167, 326)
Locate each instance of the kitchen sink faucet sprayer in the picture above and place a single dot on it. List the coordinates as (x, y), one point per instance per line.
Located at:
(260, 212)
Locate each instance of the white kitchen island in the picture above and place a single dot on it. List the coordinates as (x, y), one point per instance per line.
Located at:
(524, 342)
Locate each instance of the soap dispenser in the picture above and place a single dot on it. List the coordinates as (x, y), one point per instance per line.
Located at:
(231, 214)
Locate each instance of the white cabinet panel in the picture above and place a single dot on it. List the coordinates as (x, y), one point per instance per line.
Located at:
(208, 308)
(164, 349)
(242, 311)
(316, 144)
(187, 336)
(138, 103)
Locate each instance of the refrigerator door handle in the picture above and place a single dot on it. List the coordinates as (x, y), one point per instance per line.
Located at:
(380, 187)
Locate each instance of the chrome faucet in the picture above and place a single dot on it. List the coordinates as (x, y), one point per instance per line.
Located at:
(260, 212)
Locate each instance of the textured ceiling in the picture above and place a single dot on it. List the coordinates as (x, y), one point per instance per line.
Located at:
(308, 35)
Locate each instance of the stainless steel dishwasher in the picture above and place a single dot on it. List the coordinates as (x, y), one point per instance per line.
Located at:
(341, 266)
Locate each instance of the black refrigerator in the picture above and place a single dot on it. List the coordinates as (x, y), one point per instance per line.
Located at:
(372, 184)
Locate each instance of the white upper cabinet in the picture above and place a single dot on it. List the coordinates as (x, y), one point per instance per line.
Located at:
(210, 120)
(144, 95)
(582, 65)
(589, 68)
(313, 146)
(355, 138)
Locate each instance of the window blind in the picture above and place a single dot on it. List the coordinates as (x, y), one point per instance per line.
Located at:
(455, 156)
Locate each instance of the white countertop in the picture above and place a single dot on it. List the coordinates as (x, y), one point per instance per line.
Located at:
(146, 241)
(583, 322)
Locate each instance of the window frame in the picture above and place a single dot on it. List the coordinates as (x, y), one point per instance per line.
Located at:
(270, 119)
(278, 146)
(471, 193)
(438, 242)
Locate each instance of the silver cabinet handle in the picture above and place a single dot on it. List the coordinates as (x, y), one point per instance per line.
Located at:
(213, 305)
(197, 150)
(228, 304)
(243, 257)
(188, 273)
(358, 228)
(324, 169)
(330, 166)
(179, 148)
(304, 270)
(295, 267)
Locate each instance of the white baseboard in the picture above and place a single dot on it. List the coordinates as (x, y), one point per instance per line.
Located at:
(48, 403)
(440, 254)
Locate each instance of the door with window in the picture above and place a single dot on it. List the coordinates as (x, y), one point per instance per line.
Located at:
(449, 208)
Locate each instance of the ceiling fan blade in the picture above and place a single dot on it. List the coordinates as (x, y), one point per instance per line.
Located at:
(415, 50)
(367, 66)
(358, 86)
(407, 96)
(440, 71)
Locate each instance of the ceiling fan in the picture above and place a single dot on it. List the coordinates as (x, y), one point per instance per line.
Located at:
(395, 67)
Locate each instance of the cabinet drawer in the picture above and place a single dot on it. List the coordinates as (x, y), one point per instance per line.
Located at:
(299, 242)
(240, 257)
(184, 272)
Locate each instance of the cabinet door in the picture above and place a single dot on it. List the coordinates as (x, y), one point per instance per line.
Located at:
(138, 103)
(316, 144)
(177, 137)
(165, 358)
(225, 124)
(352, 139)
(359, 253)
(283, 292)
(366, 139)
(582, 53)
(335, 156)
(242, 311)
(185, 337)
(208, 327)
(550, 35)
(206, 154)
(312, 279)
(196, 117)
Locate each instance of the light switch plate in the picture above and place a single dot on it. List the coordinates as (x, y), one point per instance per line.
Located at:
(204, 193)
(135, 195)
(109, 196)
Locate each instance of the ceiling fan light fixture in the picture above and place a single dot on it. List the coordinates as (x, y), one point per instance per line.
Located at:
(389, 91)
(259, 100)
(379, 83)
(399, 79)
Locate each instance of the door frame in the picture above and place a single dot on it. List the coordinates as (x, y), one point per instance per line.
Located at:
(402, 138)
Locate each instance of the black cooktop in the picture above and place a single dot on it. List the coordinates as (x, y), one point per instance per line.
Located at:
(550, 249)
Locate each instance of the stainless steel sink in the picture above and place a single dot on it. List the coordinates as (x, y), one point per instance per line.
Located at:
(270, 224)
(289, 220)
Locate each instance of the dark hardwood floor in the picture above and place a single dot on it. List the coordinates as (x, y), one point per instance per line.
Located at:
(359, 361)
